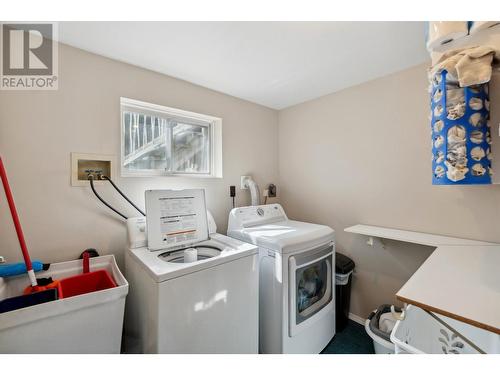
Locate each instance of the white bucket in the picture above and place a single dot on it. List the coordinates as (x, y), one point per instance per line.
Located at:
(88, 323)
(380, 345)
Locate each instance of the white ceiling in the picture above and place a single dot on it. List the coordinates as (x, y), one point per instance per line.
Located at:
(276, 64)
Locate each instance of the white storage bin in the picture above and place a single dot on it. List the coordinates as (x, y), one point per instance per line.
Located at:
(420, 333)
(88, 323)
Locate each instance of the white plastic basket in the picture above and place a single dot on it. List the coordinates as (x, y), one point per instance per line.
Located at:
(420, 333)
(380, 345)
(88, 323)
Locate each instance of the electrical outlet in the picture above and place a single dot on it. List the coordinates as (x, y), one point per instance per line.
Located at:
(243, 182)
(271, 191)
(82, 163)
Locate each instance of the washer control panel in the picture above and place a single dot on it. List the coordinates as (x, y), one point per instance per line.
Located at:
(256, 215)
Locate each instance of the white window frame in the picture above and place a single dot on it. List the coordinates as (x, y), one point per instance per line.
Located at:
(215, 138)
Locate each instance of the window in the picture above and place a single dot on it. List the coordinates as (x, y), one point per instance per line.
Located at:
(158, 141)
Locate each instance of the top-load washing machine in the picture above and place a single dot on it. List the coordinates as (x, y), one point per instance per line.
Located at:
(191, 290)
(296, 284)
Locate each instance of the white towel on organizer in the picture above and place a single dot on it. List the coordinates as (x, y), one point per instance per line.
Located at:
(455, 173)
(442, 32)
(477, 153)
(476, 119)
(470, 66)
(455, 103)
(482, 25)
(478, 170)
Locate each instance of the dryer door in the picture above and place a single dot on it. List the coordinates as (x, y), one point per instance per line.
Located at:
(310, 287)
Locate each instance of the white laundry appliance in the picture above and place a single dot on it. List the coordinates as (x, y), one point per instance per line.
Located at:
(191, 291)
(296, 285)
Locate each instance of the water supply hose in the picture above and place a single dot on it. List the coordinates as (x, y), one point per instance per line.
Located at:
(91, 180)
(122, 194)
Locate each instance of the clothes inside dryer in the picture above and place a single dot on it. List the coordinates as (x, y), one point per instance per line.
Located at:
(311, 285)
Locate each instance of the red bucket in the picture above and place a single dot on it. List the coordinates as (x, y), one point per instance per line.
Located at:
(87, 282)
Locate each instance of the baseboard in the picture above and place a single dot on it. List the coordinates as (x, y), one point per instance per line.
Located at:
(357, 319)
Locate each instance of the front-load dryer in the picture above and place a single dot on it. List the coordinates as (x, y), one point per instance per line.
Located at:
(297, 281)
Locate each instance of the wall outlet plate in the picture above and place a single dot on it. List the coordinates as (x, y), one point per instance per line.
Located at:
(137, 232)
(243, 183)
(271, 191)
(82, 162)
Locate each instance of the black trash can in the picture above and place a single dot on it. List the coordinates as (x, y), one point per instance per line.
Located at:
(344, 267)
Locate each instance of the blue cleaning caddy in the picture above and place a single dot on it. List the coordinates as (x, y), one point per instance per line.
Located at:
(460, 133)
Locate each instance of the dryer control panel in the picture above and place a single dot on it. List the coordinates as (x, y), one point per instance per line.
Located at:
(243, 217)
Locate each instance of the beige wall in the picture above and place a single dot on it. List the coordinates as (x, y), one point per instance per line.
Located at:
(363, 155)
(39, 130)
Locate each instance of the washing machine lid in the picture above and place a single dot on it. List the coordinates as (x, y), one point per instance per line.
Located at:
(285, 236)
(175, 218)
(160, 270)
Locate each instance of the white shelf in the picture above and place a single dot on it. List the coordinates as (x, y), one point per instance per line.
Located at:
(461, 282)
(426, 239)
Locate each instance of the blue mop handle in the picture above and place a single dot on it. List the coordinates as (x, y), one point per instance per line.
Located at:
(14, 269)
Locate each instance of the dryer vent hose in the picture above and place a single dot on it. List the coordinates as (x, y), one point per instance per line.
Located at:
(254, 192)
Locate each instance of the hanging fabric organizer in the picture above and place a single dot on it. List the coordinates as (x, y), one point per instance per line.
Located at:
(460, 133)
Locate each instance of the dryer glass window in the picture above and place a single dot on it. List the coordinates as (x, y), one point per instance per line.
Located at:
(313, 283)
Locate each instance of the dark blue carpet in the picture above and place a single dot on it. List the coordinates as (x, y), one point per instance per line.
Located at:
(352, 340)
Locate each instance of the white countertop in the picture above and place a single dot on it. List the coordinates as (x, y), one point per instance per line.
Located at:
(461, 278)
(461, 282)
